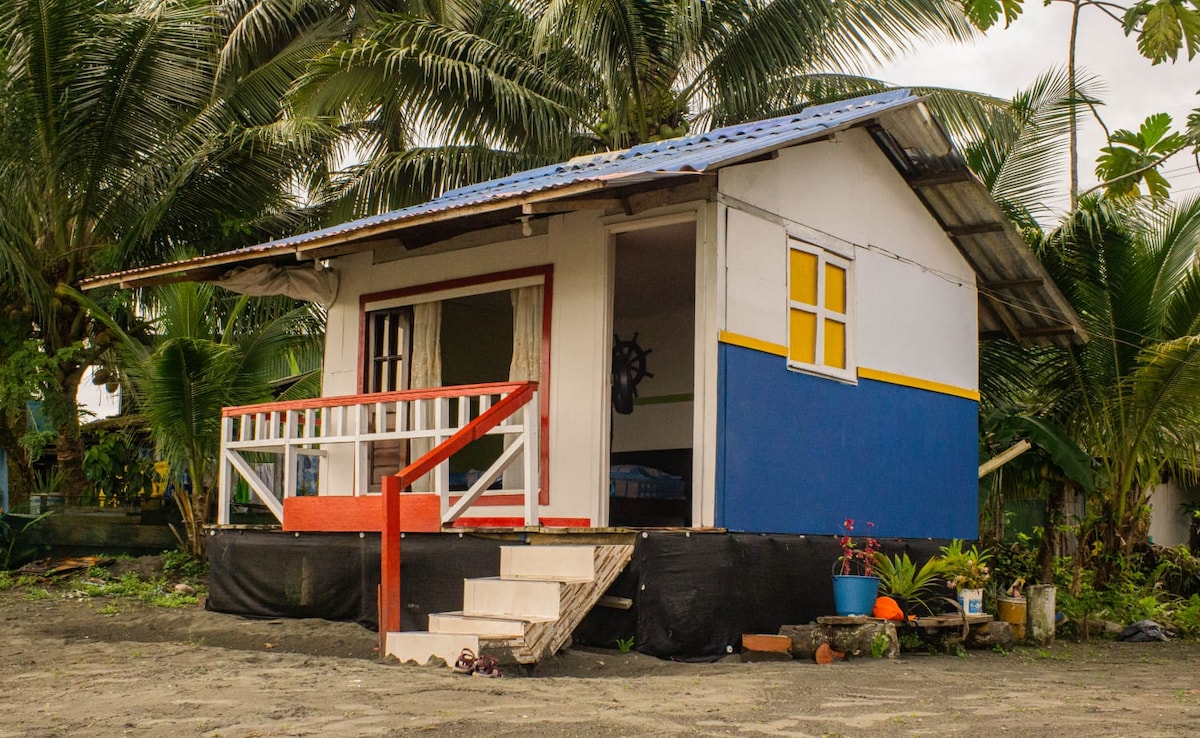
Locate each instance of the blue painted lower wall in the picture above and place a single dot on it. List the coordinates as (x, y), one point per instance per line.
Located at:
(800, 454)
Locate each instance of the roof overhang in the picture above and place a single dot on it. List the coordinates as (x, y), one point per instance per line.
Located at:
(411, 232)
(1016, 295)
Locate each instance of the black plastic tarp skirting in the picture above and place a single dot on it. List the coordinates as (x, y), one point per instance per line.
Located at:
(335, 576)
(694, 595)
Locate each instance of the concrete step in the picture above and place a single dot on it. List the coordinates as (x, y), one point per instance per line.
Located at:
(512, 598)
(482, 626)
(563, 563)
(420, 647)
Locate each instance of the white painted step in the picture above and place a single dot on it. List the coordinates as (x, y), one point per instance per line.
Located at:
(564, 563)
(421, 647)
(482, 626)
(511, 598)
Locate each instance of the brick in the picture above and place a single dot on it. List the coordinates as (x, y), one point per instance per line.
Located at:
(767, 643)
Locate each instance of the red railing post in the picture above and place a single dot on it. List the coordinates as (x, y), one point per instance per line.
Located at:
(389, 563)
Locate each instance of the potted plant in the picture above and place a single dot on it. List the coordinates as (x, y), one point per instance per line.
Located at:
(855, 585)
(902, 580)
(967, 572)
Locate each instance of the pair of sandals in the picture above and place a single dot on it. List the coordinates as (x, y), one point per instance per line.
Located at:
(480, 666)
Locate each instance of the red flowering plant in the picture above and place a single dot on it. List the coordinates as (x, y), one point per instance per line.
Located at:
(855, 560)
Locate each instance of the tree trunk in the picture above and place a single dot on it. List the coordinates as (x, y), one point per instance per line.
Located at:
(1073, 130)
(69, 456)
(1048, 547)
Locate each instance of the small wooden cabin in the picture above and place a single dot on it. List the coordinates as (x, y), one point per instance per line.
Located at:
(765, 328)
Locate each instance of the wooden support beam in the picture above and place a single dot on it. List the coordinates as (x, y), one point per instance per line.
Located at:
(974, 229)
(567, 206)
(996, 462)
(940, 178)
(1048, 330)
(1008, 284)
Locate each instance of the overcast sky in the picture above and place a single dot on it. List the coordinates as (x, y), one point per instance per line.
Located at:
(1009, 59)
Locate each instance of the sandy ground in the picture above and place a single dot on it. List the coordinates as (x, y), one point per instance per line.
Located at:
(68, 670)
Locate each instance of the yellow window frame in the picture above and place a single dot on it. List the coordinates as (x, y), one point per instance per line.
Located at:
(820, 335)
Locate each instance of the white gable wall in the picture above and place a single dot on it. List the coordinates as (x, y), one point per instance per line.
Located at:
(915, 296)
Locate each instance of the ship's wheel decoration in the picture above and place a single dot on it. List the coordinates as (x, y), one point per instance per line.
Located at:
(628, 369)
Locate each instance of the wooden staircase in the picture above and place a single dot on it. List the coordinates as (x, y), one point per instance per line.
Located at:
(529, 611)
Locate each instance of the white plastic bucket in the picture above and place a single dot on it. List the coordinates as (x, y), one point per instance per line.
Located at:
(971, 601)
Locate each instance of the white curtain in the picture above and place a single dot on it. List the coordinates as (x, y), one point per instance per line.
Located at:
(526, 364)
(426, 371)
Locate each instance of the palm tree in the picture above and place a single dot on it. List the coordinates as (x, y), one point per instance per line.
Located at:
(1131, 395)
(490, 87)
(129, 128)
(1129, 399)
(209, 350)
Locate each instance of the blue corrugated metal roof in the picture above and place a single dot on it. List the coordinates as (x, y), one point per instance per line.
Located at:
(702, 152)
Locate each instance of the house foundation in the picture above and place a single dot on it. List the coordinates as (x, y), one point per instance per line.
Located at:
(693, 593)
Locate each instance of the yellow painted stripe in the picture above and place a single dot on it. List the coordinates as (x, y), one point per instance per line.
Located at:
(878, 375)
(925, 384)
(738, 339)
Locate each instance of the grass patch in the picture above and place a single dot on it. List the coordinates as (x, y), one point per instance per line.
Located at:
(184, 564)
(154, 592)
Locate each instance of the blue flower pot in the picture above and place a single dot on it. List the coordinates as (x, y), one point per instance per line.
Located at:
(854, 595)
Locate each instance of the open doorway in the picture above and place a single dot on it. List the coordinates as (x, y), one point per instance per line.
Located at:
(654, 318)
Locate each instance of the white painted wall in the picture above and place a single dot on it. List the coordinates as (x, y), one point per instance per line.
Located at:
(576, 245)
(915, 296)
(1169, 525)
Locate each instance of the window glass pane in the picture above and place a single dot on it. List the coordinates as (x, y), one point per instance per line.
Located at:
(835, 344)
(835, 288)
(802, 336)
(802, 276)
(386, 368)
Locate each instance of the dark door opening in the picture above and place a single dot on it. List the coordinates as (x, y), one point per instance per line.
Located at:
(654, 303)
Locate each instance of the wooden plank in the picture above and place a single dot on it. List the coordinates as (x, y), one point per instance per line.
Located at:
(940, 178)
(567, 206)
(356, 514)
(951, 621)
(460, 390)
(616, 603)
(975, 229)
(844, 619)
(996, 462)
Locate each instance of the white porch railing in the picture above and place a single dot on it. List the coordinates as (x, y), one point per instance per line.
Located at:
(336, 435)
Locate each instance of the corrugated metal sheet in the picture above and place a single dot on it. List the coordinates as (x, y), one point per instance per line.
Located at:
(700, 153)
(1016, 295)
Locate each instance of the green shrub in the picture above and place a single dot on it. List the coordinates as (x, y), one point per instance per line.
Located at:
(184, 564)
(899, 577)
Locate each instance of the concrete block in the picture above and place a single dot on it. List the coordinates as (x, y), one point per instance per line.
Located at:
(511, 598)
(563, 563)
